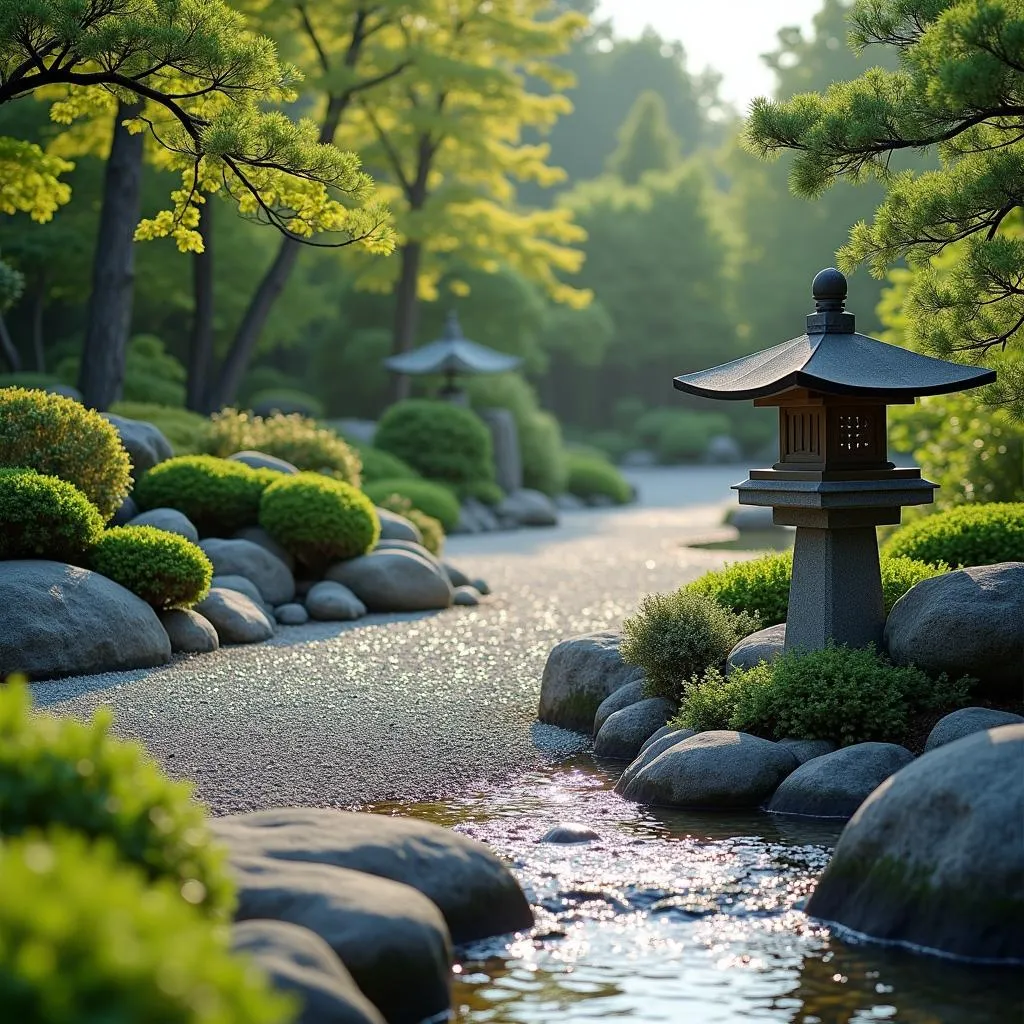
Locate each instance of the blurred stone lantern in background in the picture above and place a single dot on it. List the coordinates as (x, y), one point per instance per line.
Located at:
(833, 480)
(453, 356)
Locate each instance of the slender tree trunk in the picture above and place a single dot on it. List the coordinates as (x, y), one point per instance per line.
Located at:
(200, 348)
(113, 274)
(38, 306)
(406, 314)
(7, 347)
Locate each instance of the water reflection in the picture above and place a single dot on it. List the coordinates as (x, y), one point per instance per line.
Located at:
(673, 917)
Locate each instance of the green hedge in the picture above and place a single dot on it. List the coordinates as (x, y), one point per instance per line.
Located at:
(964, 535)
(57, 436)
(380, 465)
(591, 476)
(839, 694)
(218, 495)
(85, 938)
(165, 570)
(44, 517)
(679, 435)
(319, 519)
(431, 498)
(61, 771)
(443, 442)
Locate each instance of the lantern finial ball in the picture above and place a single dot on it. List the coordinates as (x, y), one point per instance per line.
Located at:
(829, 289)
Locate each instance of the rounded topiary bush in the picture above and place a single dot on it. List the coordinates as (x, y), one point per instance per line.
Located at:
(965, 535)
(85, 937)
(57, 436)
(433, 499)
(319, 519)
(379, 465)
(593, 477)
(58, 771)
(43, 517)
(444, 442)
(218, 495)
(165, 570)
(296, 439)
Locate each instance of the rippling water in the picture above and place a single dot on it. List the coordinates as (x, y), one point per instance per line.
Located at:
(673, 917)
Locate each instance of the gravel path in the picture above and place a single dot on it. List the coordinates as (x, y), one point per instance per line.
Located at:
(416, 707)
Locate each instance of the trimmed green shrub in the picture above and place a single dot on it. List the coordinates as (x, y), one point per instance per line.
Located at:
(676, 636)
(319, 519)
(218, 495)
(965, 535)
(286, 401)
(430, 528)
(838, 693)
(761, 586)
(61, 771)
(57, 436)
(165, 570)
(591, 477)
(44, 517)
(296, 439)
(485, 491)
(84, 937)
(679, 435)
(151, 373)
(442, 441)
(184, 429)
(434, 499)
(378, 465)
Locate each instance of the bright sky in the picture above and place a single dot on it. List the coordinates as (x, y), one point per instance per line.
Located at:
(728, 35)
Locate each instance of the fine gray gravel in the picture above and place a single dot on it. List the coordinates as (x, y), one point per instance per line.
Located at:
(417, 706)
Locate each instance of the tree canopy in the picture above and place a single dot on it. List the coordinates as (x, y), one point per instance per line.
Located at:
(646, 142)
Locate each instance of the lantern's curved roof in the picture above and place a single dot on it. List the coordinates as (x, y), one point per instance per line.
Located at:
(831, 357)
(452, 353)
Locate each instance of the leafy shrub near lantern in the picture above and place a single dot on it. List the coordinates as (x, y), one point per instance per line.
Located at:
(430, 528)
(164, 569)
(592, 477)
(319, 519)
(433, 499)
(218, 495)
(965, 535)
(57, 436)
(443, 442)
(294, 438)
(676, 636)
(83, 936)
(59, 771)
(838, 693)
(44, 517)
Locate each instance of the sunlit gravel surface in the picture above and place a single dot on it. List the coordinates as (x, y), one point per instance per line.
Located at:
(421, 706)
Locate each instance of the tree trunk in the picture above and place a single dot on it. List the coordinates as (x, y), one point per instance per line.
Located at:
(200, 347)
(406, 314)
(38, 306)
(8, 348)
(109, 317)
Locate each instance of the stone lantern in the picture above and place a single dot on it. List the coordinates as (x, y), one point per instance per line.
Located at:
(833, 480)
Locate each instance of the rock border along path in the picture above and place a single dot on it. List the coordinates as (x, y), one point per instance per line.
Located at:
(417, 706)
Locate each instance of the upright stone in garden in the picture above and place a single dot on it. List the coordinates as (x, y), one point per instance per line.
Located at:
(833, 480)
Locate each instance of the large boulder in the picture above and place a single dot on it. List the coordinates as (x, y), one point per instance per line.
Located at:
(125, 513)
(835, 785)
(189, 632)
(713, 769)
(145, 444)
(328, 601)
(626, 731)
(243, 586)
(260, 460)
(415, 549)
(299, 962)
(60, 620)
(169, 519)
(968, 622)
(237, 618)
(396, 527)
(580, 673)
(392, 938)
(476, 893)
(764, 645)
(394, 581)
(935, 855)
(254, 562)
(258, 535)
(623, 697)
(966, 721)
(804, 750)
(528, 508)
(664, 739)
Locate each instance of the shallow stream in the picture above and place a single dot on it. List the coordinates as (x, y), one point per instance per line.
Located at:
(675, 917)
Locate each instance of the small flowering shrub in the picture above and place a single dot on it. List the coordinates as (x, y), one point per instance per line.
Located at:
(44, 517)
(165, 570)
(965, 535)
